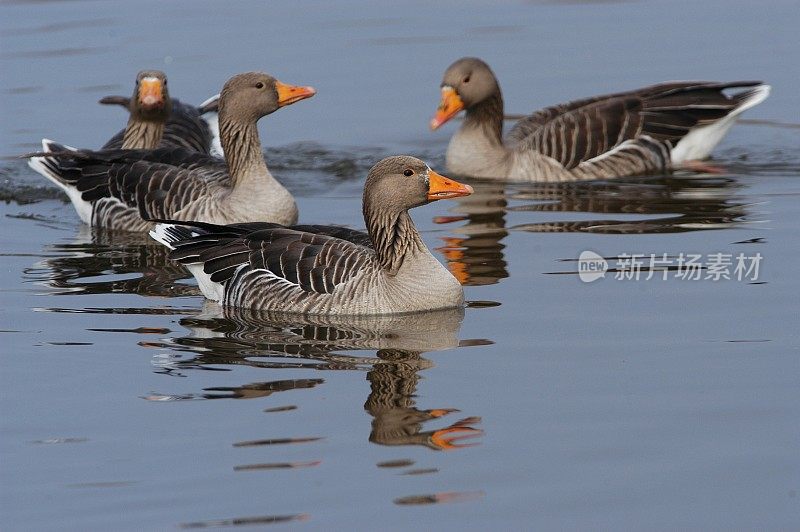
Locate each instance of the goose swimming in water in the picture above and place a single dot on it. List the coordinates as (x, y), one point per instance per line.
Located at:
(124, 189)
(645, 131)
(308, 270)
(157, 120)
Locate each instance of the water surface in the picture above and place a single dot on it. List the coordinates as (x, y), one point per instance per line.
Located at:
(129, 403)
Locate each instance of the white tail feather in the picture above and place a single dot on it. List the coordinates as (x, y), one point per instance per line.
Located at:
(160, 235)
(212, 119)
(700, 141)
(47, 167)
(168, 235)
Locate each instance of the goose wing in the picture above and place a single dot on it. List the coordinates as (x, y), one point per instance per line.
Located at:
(581, 130)
(313, 260)
(158, 183)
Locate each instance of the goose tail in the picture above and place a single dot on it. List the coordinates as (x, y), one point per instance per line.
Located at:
(702, 139)
(171, 235)
(52, 169)
(209, 112)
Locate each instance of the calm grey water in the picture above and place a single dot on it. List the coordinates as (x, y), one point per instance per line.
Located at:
(129, 404)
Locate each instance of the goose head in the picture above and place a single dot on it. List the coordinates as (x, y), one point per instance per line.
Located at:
(399, 183)
(251, 95)
(466, 83)
(150, 100)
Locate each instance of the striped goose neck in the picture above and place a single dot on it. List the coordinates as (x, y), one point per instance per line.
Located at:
(242, 147)
(488, 116)
(142, 134)
(393, 236)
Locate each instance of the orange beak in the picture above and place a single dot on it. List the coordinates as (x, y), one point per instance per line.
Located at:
(151, 92)
(289, 94)
(441, 187)
(449, 107)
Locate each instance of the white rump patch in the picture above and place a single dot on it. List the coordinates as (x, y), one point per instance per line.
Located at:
(700, 141)
(46, 167)
(212, 119)
(211, 289)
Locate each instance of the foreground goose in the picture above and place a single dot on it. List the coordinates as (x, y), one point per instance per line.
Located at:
(645, 131)
(270, 267)
(158, 120)
(123, 189)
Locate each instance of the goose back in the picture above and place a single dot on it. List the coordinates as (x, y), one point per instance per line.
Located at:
(581, 130)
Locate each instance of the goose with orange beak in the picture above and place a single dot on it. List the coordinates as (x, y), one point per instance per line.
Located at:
(326, 270)
(125, 189)
(157, 120)
(651, 130)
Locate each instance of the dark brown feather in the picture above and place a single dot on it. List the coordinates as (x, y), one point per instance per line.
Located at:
(313, 260)
(184, 127)
(583, 129)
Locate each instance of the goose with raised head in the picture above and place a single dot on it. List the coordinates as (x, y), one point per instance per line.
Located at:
(124, 189)
(270, 267)
(157, 120)
(645, 131)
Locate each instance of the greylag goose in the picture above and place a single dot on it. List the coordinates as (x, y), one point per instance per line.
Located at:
(270, 267)
(644, 131)
(156, 120)
(123, 189)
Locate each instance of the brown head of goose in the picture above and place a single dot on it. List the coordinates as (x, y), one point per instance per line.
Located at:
(308, 270)
(643, 131)
(155, 119)
(123, 189)
(150, 106)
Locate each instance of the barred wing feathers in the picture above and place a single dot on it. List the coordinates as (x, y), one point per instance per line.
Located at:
(578, 131)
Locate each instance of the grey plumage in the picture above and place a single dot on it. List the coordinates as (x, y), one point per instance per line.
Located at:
(124, 189)
(644, 131)
(322, 269)
(184, 128)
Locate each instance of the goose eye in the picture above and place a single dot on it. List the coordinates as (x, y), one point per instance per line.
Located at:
(466, 80)
(259, 85)
(408, 172)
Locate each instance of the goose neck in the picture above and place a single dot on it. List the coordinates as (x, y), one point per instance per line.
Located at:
(394, 236)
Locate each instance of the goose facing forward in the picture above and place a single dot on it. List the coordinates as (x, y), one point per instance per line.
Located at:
(276, 268)
(644, 131)
(124, 189)
(156, 120)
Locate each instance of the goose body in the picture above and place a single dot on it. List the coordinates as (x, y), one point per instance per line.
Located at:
(156, 120)
(187, 126)
(124, 189)
(650, 130)
(329, 270)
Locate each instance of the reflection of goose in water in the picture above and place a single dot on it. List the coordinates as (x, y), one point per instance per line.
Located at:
(631, 206)
(226, 336)
(98, 261)
(395, 418)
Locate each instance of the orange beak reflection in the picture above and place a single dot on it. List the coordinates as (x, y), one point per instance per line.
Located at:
(289, 94)
(151, 92)
(441, 187)
(449, 107)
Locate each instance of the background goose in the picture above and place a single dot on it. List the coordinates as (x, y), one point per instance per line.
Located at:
(269, 267)
(122, 189)
(644, 131)
(158, 120)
